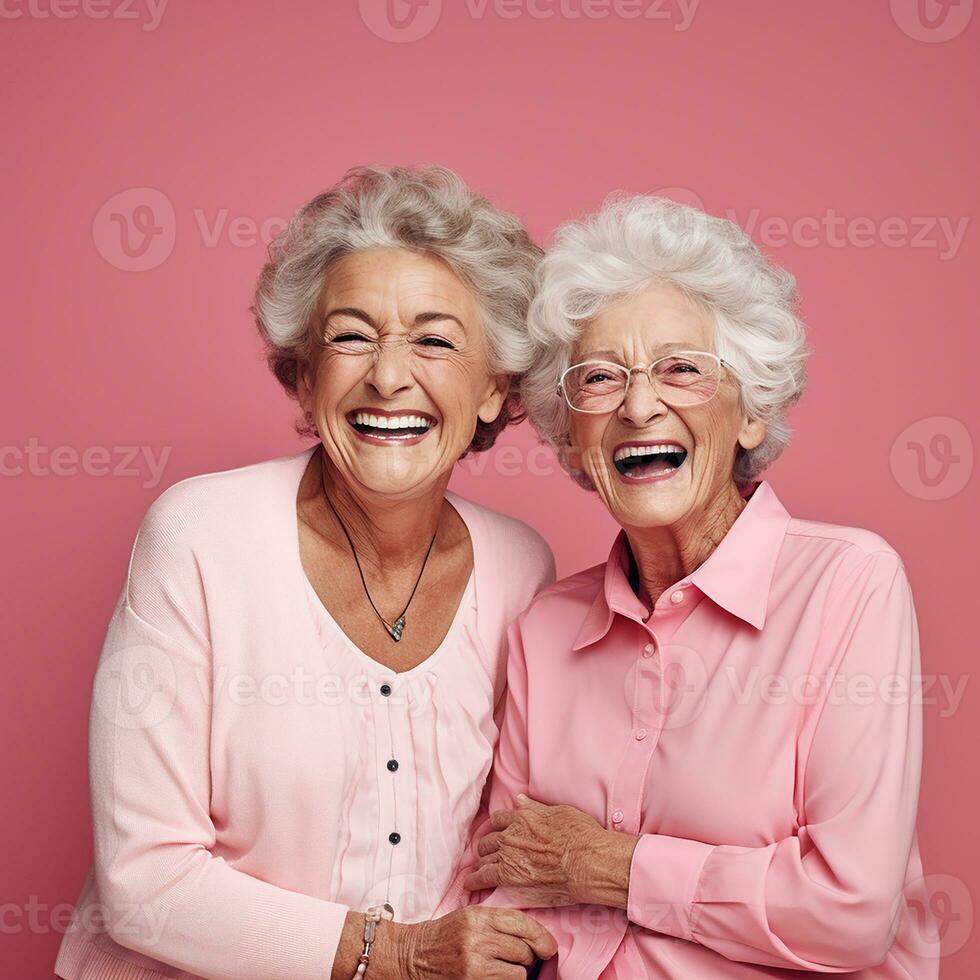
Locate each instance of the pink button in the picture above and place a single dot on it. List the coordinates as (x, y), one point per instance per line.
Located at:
(676, 596)
(640, 734)
(617, 816)
(648, 650)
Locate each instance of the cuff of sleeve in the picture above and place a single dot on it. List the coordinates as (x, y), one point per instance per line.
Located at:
(297, 937)
(664, 876)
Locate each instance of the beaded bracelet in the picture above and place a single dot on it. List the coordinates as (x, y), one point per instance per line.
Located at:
(371, 919)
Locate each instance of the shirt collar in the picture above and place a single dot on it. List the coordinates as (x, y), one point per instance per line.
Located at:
(737, 575)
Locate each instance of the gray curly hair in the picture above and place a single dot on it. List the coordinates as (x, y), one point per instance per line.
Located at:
(425, 209)
(620, 249)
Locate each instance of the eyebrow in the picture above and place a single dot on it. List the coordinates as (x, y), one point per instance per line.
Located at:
(421, 319)
(617, 358)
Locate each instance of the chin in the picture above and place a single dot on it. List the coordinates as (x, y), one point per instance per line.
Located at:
(397, 476)
(396, 471)
(651, 503)
(651, 513)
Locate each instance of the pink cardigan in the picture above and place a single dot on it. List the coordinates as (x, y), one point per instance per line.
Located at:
(239, 743)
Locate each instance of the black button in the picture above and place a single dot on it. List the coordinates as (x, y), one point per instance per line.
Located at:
(392, 765)
(394, 837)
(386, 689)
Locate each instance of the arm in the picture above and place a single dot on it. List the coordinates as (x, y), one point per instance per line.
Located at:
(825, 899)
(508, 776)
(163, 893)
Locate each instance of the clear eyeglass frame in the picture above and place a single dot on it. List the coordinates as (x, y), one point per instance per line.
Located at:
(677, 397)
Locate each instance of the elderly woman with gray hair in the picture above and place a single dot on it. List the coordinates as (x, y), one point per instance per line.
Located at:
(297, 702)
(688, 782)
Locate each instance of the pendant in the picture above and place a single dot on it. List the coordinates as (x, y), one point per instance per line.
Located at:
(397, 627)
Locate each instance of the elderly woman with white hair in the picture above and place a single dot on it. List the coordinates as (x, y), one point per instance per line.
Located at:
(688, 782)
(296, 707)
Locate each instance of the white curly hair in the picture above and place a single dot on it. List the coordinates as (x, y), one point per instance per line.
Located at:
(623, 247)
(427, 209)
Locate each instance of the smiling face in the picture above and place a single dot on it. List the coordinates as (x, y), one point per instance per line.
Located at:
(655, 465)
(403, 374)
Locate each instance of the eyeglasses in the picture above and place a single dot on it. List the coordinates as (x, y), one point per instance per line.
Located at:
(680, 379)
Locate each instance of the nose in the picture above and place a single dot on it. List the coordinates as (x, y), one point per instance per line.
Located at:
(642, 403)
(391, 372)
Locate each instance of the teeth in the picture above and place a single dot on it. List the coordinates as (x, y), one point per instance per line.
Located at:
(391, 422)
(650, 450)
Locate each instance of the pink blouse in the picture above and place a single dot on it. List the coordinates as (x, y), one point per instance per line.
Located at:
(249, 764)
(758, 731)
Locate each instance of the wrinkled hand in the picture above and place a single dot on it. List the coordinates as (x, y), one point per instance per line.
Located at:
(547, 856)
(474, 943)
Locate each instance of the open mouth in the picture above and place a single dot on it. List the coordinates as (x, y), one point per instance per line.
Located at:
(390, 427)
(647, 461)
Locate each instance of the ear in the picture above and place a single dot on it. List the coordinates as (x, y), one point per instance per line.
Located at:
(304, 389)
(751, 434)
(493, 398)
(570, 455)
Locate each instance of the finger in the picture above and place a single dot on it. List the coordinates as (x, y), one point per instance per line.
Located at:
(524, 801)
(486, 876)
(499, 970)
(524, 927)
(489, 843)
(502, 819)
(509, 949)
(489, 859)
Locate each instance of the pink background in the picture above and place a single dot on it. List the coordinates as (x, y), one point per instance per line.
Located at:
(770, 111)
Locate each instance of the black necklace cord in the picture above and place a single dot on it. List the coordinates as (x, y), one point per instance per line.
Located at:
(394, 629)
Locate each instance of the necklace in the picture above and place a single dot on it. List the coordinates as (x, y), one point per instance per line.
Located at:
(396, 628)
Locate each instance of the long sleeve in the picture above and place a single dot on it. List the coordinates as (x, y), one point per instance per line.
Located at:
(163, 892)
(511, 752)
(827, 898)
(510, 774)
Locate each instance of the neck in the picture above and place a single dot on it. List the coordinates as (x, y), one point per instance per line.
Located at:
(390, 535)
(665, 555)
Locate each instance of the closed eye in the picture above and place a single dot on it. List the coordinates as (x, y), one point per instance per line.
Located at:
(436, 342)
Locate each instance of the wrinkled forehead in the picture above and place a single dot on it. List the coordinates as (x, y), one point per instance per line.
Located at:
(644, 325)
(389, 284)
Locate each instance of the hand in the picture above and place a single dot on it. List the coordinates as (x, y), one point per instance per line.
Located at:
(547, 856)
(473, 943)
